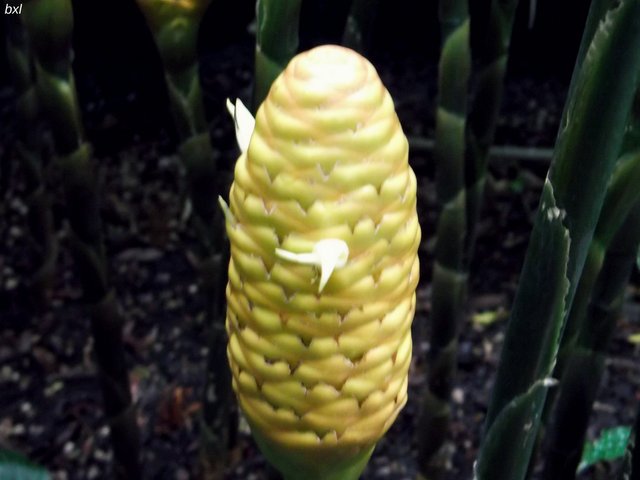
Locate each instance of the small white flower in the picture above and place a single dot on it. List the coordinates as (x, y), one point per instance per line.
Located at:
(328, 255)
(243, 121)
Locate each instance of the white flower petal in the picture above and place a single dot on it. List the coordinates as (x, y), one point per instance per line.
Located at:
(328, 255)
(301, 258)
(243, 121)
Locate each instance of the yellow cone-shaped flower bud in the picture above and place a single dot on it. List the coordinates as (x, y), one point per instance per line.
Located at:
(320, 370)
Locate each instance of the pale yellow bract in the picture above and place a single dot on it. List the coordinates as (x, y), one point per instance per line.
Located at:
(328, 159)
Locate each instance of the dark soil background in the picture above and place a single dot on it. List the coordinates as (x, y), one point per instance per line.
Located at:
(50, 403)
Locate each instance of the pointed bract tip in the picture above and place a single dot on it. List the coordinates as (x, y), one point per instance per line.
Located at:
(226, 211)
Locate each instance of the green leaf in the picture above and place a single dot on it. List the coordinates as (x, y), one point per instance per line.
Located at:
(622, 195)
(276, 43)
(16, 467)
(513, 423)
(586, 151)
(610, 445)
(514, 418)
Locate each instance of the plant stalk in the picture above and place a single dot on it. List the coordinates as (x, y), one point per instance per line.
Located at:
(276, 42)
(450, 270)
(50, 26)
(175, 29)
(29, 149)
(490, 55)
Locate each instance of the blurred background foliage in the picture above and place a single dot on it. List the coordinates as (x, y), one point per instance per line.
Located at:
(117, 65)
(115, 51)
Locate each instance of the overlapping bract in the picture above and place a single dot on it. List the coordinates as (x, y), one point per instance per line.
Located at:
(175, 25)
(328, 159)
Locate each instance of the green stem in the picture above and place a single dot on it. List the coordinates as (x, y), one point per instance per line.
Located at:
(449, 274)
(29, 150)
(296, 465)
(50, 26)
(276, 43)
(490, 55)
(176, 30)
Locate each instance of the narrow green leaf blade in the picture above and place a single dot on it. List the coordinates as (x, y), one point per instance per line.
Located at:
(539, 304)
(622, 195)
(545, 288)
(585, 155)
(513, 423)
